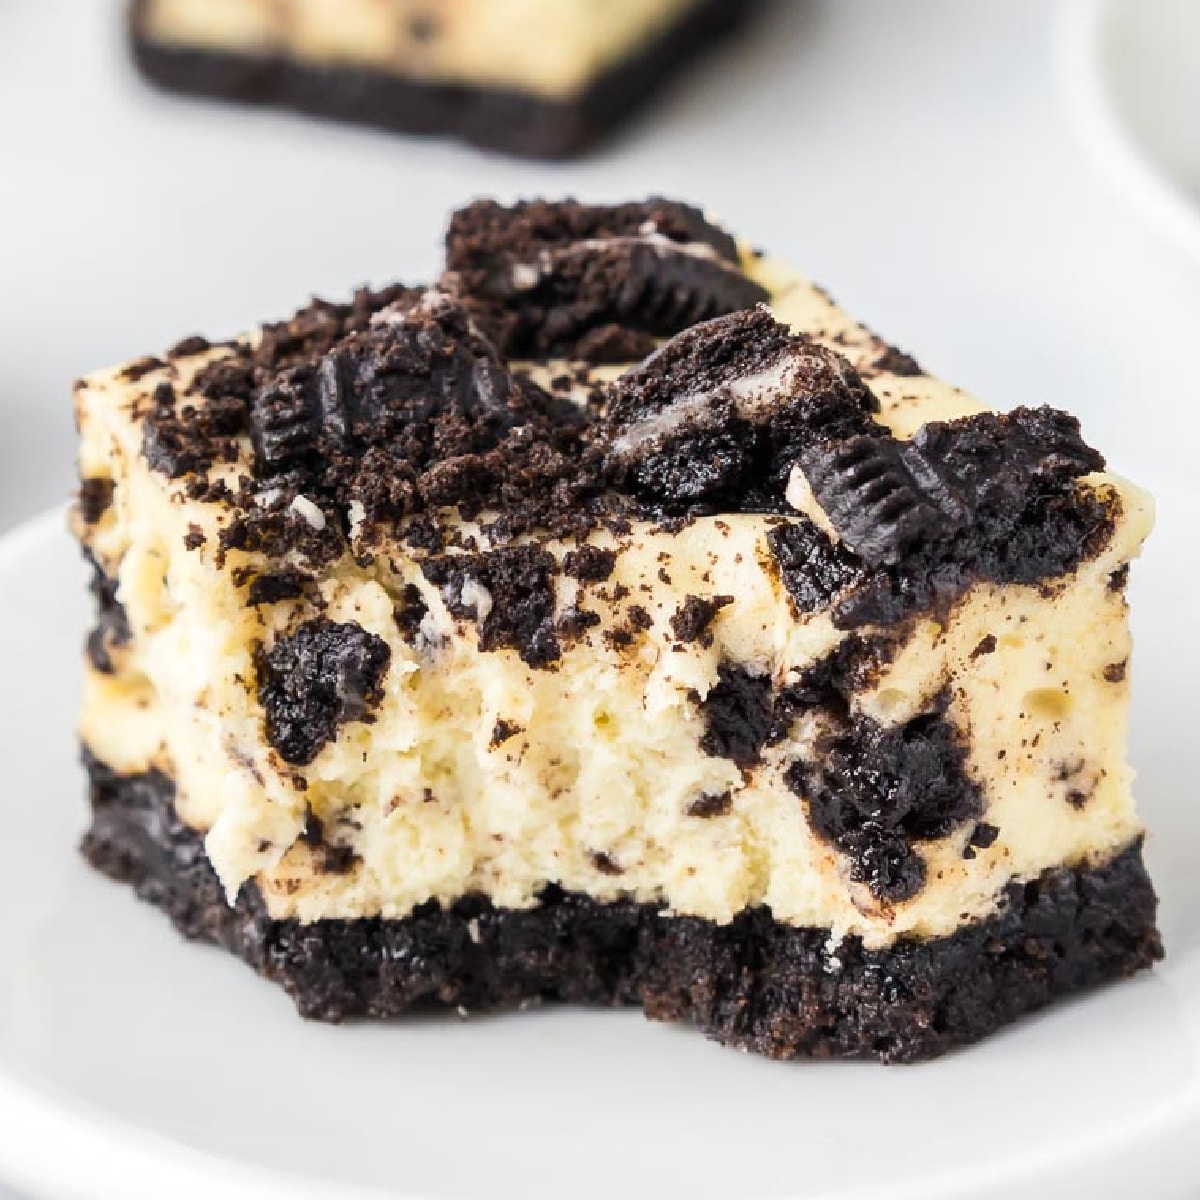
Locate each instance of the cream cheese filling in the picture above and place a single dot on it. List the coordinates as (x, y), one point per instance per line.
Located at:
(605, 764)
(547, 47)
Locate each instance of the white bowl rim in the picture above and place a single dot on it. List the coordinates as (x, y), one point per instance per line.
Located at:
(1122, 158)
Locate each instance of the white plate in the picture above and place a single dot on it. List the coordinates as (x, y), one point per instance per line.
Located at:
(1133, 74)
(135, 1067)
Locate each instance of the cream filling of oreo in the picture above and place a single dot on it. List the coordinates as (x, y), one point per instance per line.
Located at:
(547, 47)
(754, 397)
(607, 762)
(525, 276)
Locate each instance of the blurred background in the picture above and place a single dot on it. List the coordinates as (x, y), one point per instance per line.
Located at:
(1011, 191)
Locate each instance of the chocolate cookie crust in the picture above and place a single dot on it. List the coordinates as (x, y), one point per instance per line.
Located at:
(754, 984)
(507, 120)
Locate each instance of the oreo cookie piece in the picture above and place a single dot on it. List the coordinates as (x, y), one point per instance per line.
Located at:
(544, 278)
(887, 497)
(286, 421)
(508, 593)
(737, 715)
(721, 413)
(813, 568)
(876, 792)
(881, 495)
(418, 361)
(315, 679)
(996, 459)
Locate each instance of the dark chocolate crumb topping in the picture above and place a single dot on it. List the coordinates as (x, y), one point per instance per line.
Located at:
(991, 497)
(721, 414)
(886, 496)
(316, 679)
(400, 413)
(589, 564)
(572, 280)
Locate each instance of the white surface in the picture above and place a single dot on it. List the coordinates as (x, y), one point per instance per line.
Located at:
(1134, 84)
(134, 1066)
(919, 158)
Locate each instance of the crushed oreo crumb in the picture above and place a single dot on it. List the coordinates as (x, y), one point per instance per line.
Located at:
(987, 645)
(829, 685)
(691, 621)
(708, 806)
(189, 347)
(639, 618)
(589, 564)
(738, 714)
(273, 586)
(893, 361)
(814, 569)
(574, 622)
(315, 679)
(982, 836)
(875, 793)
(519, 601)
(504, 730)
(141, 367)
(95, 498)
(605, 863)
(409, 611)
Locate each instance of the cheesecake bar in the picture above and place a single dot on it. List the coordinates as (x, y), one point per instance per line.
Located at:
(541, 78)
(614, 621)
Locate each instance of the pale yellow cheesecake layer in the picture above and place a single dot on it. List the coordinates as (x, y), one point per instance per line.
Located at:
(605, 765)
(552, 48)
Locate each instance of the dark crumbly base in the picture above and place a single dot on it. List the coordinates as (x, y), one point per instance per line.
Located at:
(754, 984)
(510, 121)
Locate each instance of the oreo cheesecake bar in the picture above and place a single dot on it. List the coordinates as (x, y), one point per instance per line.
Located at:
(542, 78)
(615, 621)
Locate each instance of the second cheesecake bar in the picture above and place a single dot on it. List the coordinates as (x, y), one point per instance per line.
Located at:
(542, 78)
